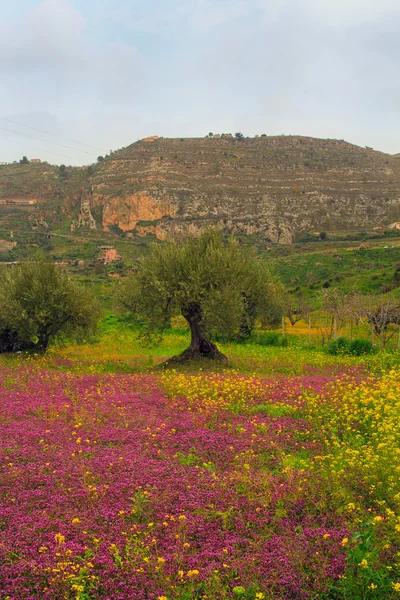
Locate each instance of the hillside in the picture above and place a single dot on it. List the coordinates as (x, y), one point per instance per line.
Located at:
(270, 189)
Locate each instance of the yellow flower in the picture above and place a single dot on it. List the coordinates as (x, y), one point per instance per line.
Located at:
(76, 520)
(160, 559)
(396, 586)
(260, 596)
(60, 539)
(326, 536)
(363, 564)
(376, 519)
(372, 586)
(162, 598)
(345, 541)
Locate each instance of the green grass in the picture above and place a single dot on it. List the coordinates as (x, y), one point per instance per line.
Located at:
(369, 271)
(118, 349)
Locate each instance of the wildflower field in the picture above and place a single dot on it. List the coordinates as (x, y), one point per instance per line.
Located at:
(274, 478)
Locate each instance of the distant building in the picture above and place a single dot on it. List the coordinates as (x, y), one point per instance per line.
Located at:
(5, 245)
(36, 160)
(395, 225)
(152, 138)
(109, 256)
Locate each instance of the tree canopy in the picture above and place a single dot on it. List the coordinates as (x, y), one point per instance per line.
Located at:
(216, 285)
(39, 300)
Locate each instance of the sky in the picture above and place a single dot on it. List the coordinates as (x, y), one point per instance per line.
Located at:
(101, 74)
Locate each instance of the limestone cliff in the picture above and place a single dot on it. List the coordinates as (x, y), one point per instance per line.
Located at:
(85, 217)
(273, 189)
(128, 211)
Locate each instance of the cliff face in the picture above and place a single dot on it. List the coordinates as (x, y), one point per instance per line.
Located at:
(128, 211)
(272, 188)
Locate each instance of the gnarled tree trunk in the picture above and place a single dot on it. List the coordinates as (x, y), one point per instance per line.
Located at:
(200, 345)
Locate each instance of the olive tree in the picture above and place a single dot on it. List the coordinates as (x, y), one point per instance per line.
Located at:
(38, 300)
(214, 284)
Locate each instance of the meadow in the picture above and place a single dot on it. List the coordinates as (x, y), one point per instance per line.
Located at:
(276, 477)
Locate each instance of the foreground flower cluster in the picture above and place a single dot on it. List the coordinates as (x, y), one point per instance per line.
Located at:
(181, 486)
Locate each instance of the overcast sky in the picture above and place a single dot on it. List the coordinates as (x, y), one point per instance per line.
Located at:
(109, 72)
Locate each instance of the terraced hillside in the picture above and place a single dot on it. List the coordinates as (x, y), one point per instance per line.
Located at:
(273, 189)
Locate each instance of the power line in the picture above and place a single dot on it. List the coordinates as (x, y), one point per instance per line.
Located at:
(49, 133)
(46, 141)
(36, 148)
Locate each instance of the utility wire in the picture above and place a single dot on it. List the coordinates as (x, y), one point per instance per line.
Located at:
(46, 141)
(35, 148)
(49, 133)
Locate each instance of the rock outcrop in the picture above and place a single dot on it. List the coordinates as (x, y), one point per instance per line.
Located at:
(85, 217)
(271, 189)
(127, 212)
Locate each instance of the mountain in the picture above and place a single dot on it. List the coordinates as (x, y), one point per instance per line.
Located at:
(272, 189)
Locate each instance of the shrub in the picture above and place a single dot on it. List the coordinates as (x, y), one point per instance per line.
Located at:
(38, 301)
(360, 347)
(339, 346)
(271, 338)
(357, 347)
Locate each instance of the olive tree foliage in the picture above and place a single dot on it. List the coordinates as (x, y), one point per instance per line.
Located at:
(38, 300)
(214, 284)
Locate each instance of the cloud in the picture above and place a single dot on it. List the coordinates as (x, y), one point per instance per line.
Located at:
(109, 71)
(52, 42)
(164, 18)
(342, 12)
(49, 37)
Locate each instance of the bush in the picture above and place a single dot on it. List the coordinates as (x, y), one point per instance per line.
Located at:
(271, 338)
(39, 301)
(339, 346)
(360, 347)
(357, 347)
